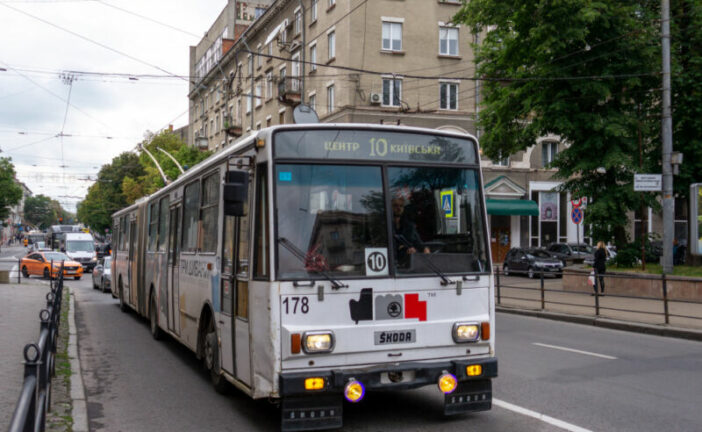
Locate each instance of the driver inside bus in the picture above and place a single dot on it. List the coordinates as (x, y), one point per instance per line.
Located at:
(407, 240)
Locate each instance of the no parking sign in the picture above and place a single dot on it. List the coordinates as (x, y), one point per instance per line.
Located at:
(577, 215)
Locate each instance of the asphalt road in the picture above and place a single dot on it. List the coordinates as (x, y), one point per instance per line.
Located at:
(637, 383)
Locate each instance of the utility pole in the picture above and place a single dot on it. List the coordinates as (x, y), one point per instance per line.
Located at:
(667, 136)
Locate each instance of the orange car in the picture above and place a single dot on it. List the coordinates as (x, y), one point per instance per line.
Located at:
(39, 263)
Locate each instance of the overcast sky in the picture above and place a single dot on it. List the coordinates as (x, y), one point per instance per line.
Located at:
(108, 114)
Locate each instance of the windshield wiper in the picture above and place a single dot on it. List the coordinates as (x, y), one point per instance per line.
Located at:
(299, 254)
(430, 263)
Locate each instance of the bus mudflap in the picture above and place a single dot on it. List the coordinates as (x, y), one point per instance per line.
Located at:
(469, 396)
(304, 413)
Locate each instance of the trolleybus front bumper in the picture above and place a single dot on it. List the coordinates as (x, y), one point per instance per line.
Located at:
(303, 409)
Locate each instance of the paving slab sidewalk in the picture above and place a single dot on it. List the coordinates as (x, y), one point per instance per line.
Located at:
(20, 305)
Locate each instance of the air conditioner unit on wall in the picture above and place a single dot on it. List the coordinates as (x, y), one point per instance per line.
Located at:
(375, 98)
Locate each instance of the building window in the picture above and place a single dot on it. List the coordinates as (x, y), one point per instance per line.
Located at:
(331, 40)
(313, 11)
(298, 22)
(549, 150)
(269, 85)
(258, 56)
(448, 96)
(392, 36)
(248, 104)
(313, 58)
(332, 3)
(257, 94)
(312, 101)
(250, 66)
(330, 98)
(448, 41)
(270, 51)
(258, 12)
(392, 92)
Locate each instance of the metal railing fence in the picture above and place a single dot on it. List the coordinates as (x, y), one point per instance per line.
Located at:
(537, 293)
(39, 367)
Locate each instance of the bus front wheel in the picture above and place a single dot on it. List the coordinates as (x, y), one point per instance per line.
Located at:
(153, 320)
(122, 304)
(211, 359)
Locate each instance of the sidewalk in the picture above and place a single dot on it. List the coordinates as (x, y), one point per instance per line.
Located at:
(520, 295)
(19, 325)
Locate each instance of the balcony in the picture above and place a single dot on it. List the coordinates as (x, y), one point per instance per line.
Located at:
(232, 129)
(289, 91)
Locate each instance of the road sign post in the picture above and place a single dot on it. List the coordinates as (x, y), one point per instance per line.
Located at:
(577, 215)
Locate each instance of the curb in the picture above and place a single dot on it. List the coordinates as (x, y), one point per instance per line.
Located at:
(652, 329)
(79, 410)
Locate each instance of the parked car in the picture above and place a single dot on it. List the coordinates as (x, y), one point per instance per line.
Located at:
(39, 263)
(531, 262)
(102, 275)
(572, 253)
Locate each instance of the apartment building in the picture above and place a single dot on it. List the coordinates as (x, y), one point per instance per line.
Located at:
(391, 61)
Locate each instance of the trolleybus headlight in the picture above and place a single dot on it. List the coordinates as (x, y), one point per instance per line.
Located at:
(447, 383)
(354, 391)
(466, 332)
(318, 342)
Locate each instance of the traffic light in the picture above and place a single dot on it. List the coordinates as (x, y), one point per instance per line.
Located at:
(695, 224)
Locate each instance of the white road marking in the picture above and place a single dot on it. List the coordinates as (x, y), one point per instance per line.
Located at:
(575, 351)
(542, 417)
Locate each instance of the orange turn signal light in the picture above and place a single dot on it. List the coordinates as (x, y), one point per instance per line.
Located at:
(474, 370)
(315, 383)
(295, 343)
(485, 330)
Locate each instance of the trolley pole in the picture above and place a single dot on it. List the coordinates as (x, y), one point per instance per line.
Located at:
(667, 136)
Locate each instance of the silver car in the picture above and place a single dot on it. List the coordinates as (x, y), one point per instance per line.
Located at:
(102, 275)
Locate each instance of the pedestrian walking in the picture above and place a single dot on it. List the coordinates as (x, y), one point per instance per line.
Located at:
(600, 266)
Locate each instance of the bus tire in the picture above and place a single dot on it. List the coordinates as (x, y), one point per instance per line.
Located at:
(122, 304)
(211, 359)
(153, 320)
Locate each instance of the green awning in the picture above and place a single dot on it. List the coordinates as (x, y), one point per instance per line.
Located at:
(512, 207)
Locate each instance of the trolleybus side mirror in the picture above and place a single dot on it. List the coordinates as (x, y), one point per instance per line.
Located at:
(235, 193)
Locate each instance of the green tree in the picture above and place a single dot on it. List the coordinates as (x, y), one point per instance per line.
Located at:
(10, 191)
(40, 211)
(151, 180)
(105, 195)
(586, 71)
(686, 65)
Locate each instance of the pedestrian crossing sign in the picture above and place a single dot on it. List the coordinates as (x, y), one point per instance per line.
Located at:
(447, 203)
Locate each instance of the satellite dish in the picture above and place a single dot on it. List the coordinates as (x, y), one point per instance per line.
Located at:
(305, 114)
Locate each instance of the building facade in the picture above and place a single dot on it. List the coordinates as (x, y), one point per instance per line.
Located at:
(363, 61)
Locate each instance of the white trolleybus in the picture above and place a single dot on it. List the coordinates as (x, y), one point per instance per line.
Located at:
(311, 264)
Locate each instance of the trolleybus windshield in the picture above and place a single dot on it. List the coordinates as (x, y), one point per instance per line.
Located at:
(347, 221)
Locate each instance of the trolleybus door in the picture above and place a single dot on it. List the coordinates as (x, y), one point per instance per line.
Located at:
(173, 270)
(228, 293)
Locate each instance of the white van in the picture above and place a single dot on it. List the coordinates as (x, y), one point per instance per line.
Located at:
(81, 247)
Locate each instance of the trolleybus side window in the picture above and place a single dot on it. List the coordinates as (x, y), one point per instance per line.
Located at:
(209, 213)
(191, 211)
(153, 226)
(262, 234)
(123, 233)
(163, 223)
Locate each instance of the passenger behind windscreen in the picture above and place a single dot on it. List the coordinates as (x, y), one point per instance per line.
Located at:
(407, 240)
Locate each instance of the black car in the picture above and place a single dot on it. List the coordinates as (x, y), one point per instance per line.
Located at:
(531, 262)
(572, 253)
